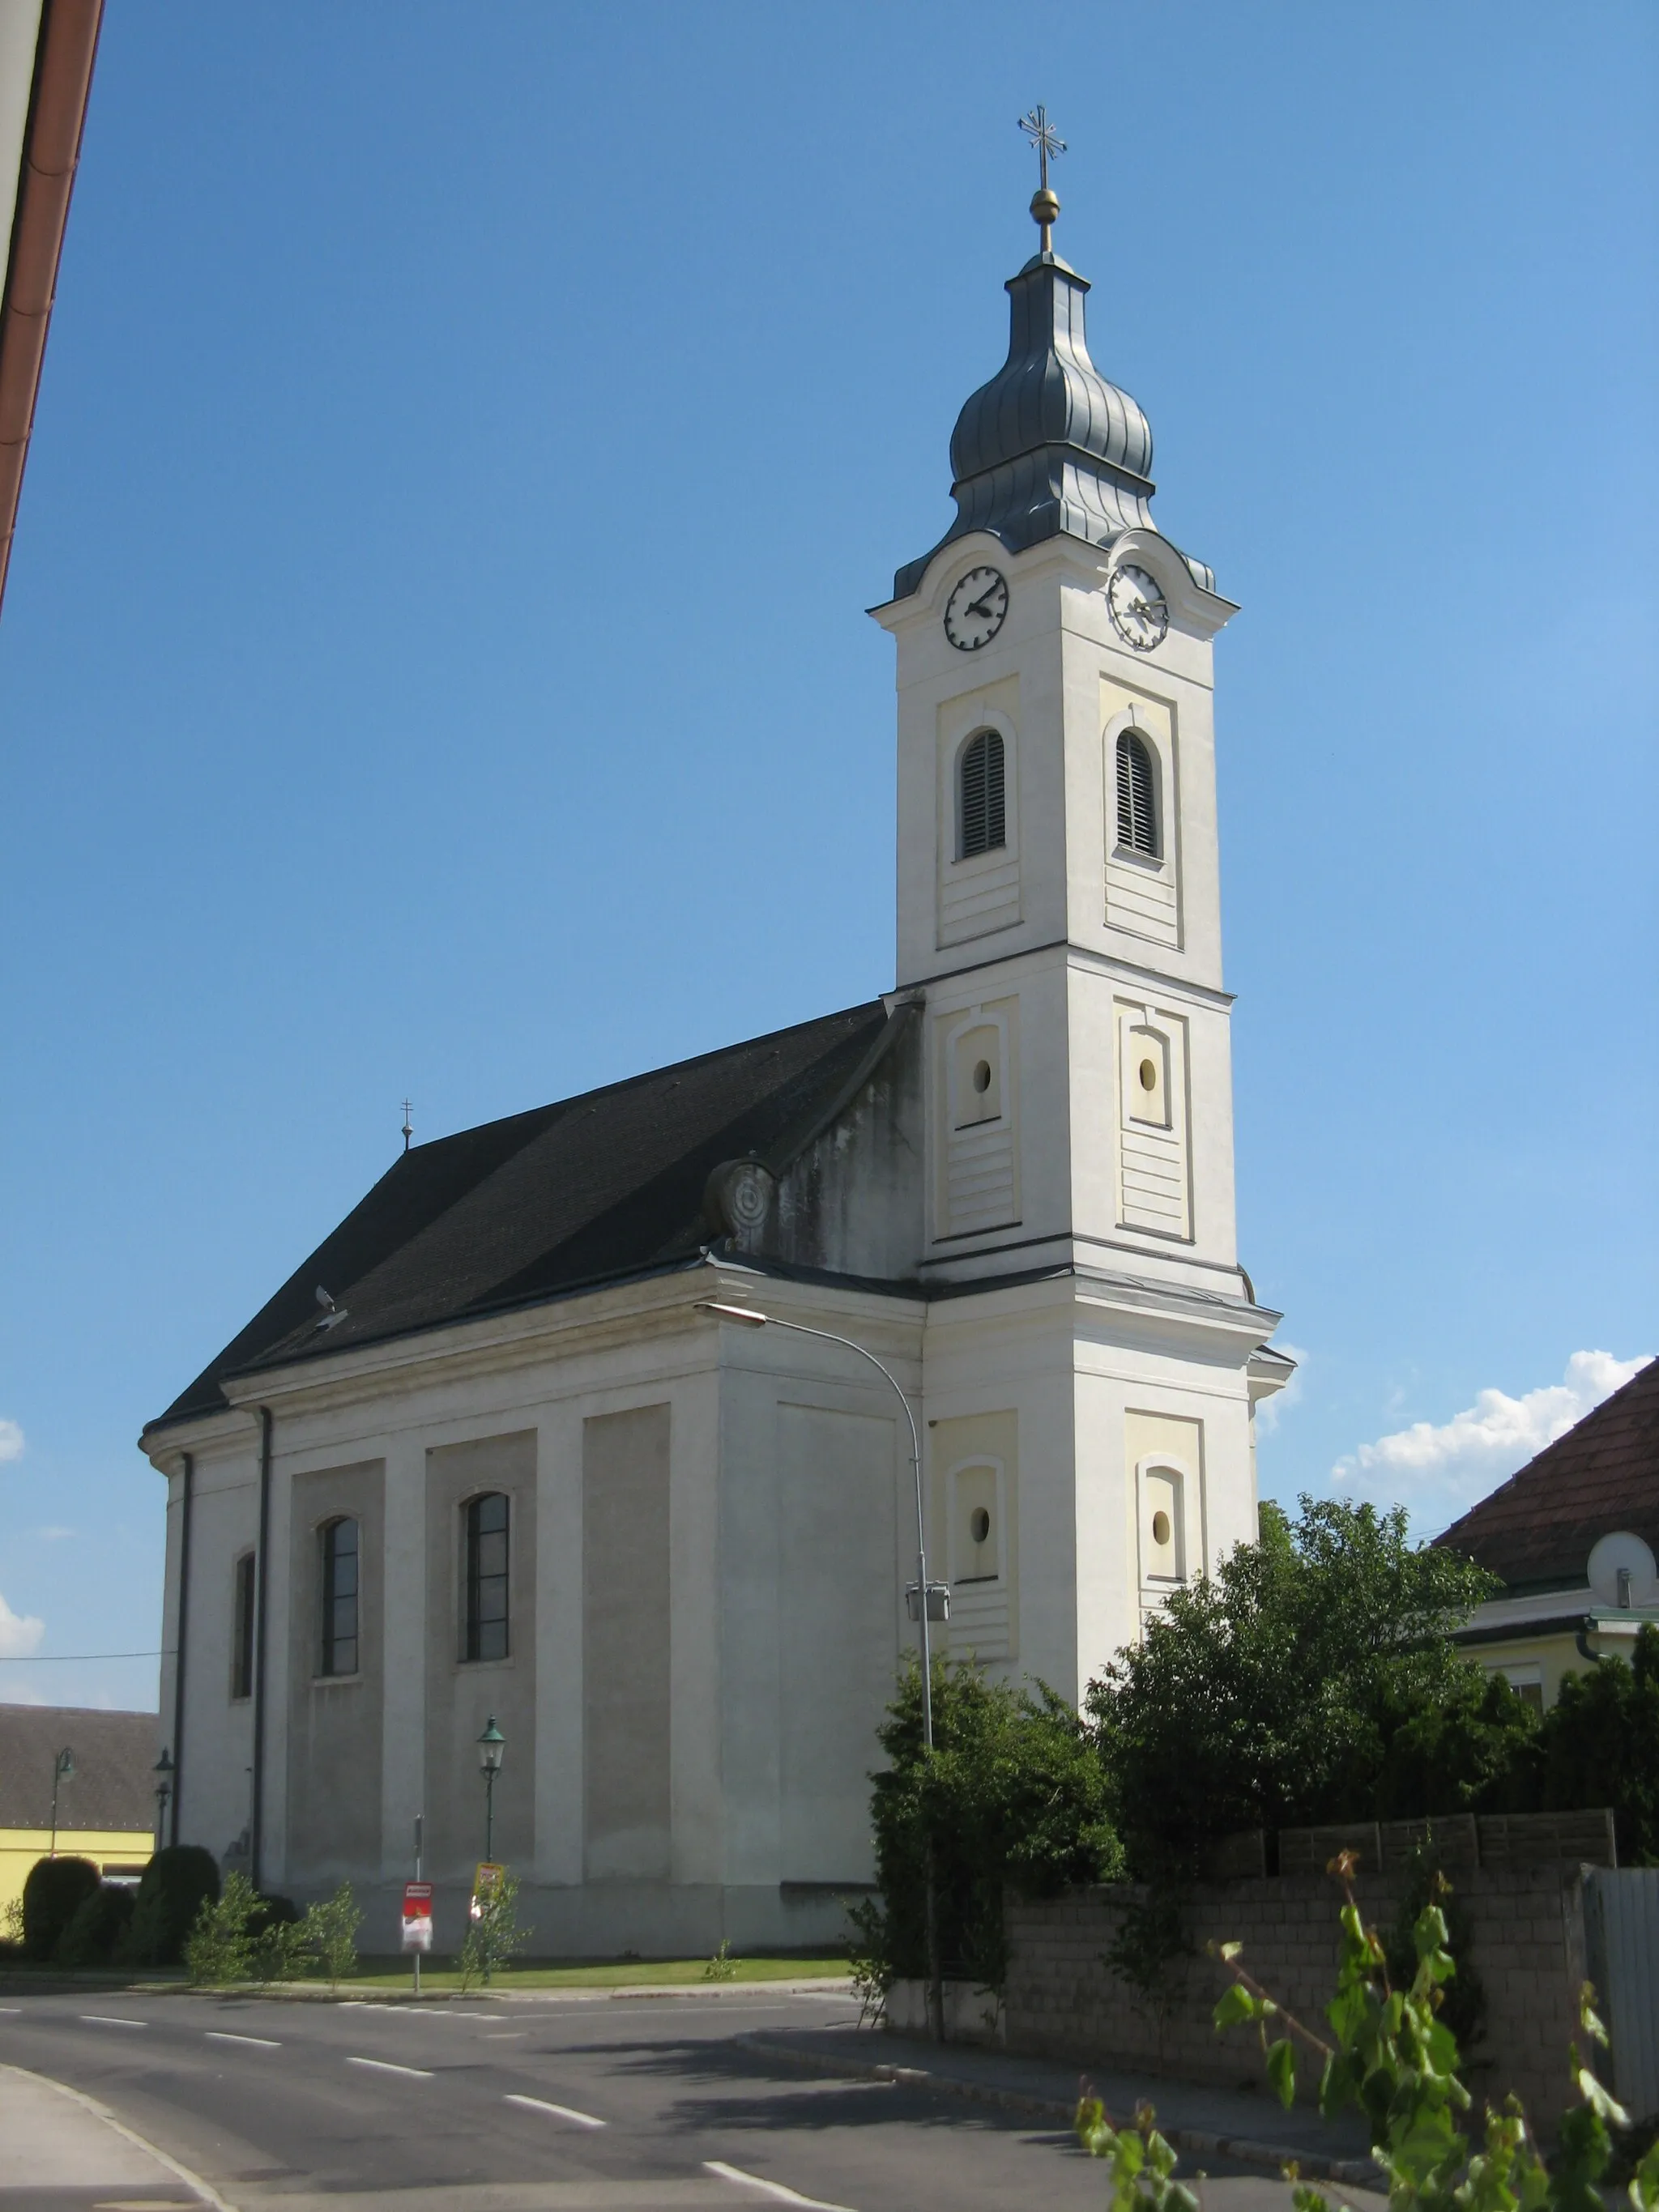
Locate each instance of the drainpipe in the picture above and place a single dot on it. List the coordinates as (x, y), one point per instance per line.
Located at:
(186, 1499)
(262, 1588)
(1581, 1640)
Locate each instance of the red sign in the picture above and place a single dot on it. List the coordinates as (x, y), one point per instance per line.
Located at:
(417, 1916)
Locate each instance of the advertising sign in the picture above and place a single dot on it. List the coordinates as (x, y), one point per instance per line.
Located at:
(486, 1881)
(417, 1916)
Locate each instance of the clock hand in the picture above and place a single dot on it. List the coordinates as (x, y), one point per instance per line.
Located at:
(981, 606)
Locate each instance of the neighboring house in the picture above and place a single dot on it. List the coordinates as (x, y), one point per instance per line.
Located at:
(105, 1807)
(46, 51)
(1574, 1537)
(487, 1454)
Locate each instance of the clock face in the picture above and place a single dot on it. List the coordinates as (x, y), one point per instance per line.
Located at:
(1141, 613)
(977, 609)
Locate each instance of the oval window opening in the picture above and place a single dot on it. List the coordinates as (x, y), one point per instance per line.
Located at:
(983, 1076)
(1160, 1527)
(1148, 1076)
(979, 1524)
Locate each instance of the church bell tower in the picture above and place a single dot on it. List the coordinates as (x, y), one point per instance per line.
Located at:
(1059, 919)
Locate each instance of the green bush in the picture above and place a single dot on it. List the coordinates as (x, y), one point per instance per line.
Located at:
(98, 1926)
(53, 1893)
(170, 1892)
(1013, 1797)
(494, 1934)
(220, 1947)
(330, 1934)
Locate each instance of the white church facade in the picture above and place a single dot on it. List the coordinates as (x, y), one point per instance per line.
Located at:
(486, 1453)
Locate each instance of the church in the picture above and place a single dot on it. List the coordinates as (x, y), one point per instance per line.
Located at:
(520, 1442)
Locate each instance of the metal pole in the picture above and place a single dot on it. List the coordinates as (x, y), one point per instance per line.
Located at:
(418, 1819)
(489, 1815)
(935, 1972)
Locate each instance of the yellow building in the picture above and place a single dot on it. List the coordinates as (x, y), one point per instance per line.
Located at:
(1573, 1537)
(99, 1766)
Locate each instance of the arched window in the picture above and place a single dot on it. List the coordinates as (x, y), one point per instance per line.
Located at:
(1136, 796)
(340, 1597)
(982, 823)
(485, 1636)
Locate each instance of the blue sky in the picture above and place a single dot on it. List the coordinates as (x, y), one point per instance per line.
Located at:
(434, 659)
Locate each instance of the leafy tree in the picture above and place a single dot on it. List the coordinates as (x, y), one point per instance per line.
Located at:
(331, 1933)
(1271, 1693)
(1599, 1745)
(1471, 1748)
(220, 1945)
(1013, 1796)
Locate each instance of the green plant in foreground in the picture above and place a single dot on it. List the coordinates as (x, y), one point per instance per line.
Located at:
(494, 1935)
(1394, 2057)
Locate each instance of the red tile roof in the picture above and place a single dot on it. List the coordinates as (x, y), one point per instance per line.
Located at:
(1604, 1474)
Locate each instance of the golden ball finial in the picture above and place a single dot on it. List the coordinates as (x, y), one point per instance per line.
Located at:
(1045, 206)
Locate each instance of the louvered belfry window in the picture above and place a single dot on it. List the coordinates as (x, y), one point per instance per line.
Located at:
(1137, 804)
(983, 817)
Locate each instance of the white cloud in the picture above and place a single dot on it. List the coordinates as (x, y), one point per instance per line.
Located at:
(54, 1535)
(1440, 1469)
(11, 1440)
(20, 1633)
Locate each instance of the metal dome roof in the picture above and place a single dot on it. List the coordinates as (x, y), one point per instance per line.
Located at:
(1048, 445)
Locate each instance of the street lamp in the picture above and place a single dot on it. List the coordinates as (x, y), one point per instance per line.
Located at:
(492, 1748)
(63, 1770)
(164, 1771)
(927, 1602)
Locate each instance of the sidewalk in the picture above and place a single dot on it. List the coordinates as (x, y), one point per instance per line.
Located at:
(60, 2149)
(1201, 2122)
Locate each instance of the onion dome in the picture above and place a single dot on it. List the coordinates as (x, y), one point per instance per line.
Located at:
(1047, 446)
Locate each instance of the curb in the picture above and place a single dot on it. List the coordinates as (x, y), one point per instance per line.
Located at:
(574, 1993)
(1356, 2172)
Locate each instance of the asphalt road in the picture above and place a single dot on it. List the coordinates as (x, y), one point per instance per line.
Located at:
(517, 2104)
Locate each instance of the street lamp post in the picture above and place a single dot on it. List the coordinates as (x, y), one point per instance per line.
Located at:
(492, 1748)
(922, 1597)
(63, 1770)
(164, 1772)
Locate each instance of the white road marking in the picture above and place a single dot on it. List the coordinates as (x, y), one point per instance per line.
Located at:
(385, 2066)
(507, 2035)
(11, 2008)
(224, 2035)
(773, 2189)
(109, 2020)
(559, 2111)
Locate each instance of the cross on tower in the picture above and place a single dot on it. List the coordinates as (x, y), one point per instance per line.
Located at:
(1045, 136)
(1045, 204)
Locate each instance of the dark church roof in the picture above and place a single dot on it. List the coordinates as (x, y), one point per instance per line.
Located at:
(594, 1188)
(112, 1785)
(1537, 1530)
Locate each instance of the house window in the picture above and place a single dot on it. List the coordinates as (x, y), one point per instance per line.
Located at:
(340, 1597)
(981, 817)
(241, 1627)
(486, 1579)
(1136, 799)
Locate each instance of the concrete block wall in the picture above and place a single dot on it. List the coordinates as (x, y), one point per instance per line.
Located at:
(1527, 1946)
